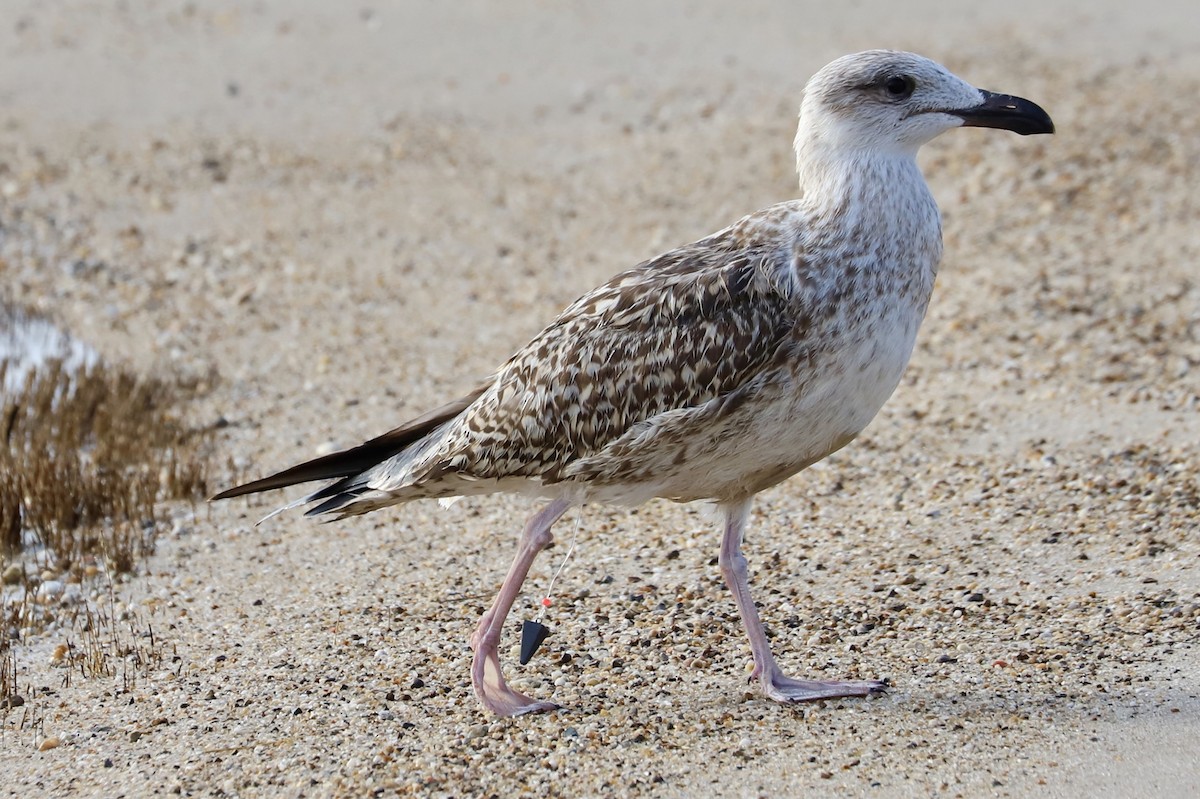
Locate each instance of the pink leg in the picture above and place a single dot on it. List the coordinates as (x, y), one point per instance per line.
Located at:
(486, 676)
(775, 684)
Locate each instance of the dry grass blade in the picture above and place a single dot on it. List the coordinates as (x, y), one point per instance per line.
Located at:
(86, 457)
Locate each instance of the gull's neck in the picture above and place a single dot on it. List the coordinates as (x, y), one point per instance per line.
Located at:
(836, 174)
(862, 184)
(874, 197)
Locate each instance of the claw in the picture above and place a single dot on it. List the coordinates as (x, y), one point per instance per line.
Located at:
(493, 690)
(786, 689)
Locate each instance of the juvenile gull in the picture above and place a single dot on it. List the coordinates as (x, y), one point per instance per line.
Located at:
(715, 370)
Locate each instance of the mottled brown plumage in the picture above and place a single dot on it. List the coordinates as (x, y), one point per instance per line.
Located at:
(715, 370)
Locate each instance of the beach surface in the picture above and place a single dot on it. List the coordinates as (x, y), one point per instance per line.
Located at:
(344, 215)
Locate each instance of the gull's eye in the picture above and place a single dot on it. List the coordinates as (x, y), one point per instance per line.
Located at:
(899, 87)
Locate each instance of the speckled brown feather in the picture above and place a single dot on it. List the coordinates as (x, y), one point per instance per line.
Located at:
(675, 332)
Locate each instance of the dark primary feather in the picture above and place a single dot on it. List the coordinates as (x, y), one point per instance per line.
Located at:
(355, 460)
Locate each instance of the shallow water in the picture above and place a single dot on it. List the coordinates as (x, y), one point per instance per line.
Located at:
(28, 341)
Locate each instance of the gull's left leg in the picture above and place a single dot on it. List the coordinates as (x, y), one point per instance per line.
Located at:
(490, 685)
(775, 684)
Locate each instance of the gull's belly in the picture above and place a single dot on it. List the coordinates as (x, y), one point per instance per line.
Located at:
(823, 413)
(856, 384)
(801, 418)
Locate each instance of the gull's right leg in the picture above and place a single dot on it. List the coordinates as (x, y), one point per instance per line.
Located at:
(776, 685)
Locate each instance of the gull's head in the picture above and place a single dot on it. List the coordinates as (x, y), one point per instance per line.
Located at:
(893, 102)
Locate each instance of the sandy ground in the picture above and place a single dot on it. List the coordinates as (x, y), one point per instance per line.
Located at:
(351, 212)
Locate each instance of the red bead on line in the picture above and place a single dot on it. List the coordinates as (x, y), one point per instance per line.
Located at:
(546, 602)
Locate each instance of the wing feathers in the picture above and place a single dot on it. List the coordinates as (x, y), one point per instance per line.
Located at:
(693, 325)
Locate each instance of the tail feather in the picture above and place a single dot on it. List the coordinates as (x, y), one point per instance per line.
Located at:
(338, 501)
(354, 461)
